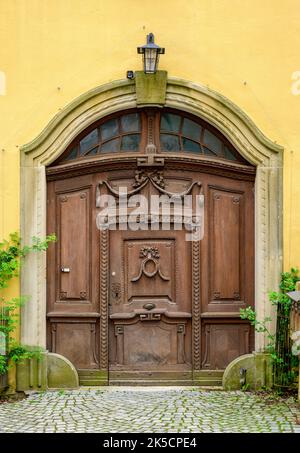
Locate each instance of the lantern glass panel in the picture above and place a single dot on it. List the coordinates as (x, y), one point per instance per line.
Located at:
(150, 60)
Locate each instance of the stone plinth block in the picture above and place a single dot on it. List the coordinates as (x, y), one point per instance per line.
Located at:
(249, 371)
(61, 372)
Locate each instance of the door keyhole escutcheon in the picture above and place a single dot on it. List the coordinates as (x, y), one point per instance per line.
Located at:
(116, 292)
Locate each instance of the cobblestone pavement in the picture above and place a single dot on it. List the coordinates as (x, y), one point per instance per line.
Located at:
(152, 410)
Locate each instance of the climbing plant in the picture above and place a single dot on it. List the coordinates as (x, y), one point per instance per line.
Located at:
(12, 255)
(279, 344)
(284, 368)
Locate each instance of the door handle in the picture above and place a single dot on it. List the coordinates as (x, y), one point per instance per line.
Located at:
(149, 306)
(65, 269)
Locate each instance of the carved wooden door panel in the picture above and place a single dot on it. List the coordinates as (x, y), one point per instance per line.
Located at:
(227, 270)
(73, 263)
(174, 304)
(150, 301)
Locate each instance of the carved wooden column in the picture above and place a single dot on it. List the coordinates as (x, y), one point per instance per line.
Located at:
(196, 321)
(104, 249)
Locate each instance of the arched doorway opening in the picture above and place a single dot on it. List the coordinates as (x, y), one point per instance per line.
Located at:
(143, 303)
(188, 98)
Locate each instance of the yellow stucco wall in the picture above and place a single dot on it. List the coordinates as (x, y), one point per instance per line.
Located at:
(54, 50)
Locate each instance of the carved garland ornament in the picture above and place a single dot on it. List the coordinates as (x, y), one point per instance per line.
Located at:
(142, 178)
(150, 254)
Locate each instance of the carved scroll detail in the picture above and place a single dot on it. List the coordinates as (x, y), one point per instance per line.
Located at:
(142, 178)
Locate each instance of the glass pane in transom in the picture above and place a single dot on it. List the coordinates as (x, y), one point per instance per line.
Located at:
(189, 145)
(170, 122)
(229, 154)
(191, 129)
(130, 123)
(93, 151)
(89, 141)
(169, 142)
(213, 142)
(208, 152)
(130, 142)
(109, 129)
(72, 154)
(112, 145)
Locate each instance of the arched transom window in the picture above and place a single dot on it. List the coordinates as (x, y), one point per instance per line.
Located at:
(171, 132)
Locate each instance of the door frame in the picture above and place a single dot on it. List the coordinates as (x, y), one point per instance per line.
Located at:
(182, 95)
(87, 168)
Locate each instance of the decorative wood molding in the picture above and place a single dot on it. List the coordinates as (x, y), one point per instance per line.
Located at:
(150, 161)
(205, 363)
(104, 262)
(53, 337)
(150, 254)
(150, 147)
(94, 339)
(196, 320)
(186, 162)
(142, 178)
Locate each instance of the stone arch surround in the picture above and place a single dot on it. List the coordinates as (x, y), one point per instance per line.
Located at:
(213, 107)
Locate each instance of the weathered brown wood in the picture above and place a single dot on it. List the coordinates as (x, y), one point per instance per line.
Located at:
(151, 314)
(140, 302)
(223, 341)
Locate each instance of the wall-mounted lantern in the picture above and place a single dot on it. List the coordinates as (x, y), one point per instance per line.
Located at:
(150, 52)
(294, 296)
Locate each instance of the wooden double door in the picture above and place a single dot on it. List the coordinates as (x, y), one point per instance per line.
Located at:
(146, 303)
